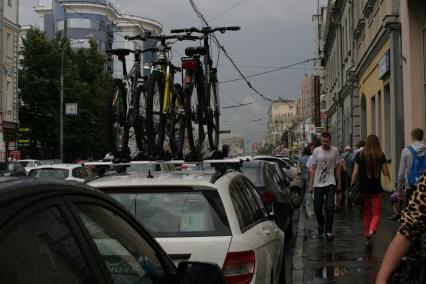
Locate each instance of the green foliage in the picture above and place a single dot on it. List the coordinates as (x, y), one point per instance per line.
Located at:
(86, 83)
(266, 150)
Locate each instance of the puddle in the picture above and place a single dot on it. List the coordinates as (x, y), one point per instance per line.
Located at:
(330, 272)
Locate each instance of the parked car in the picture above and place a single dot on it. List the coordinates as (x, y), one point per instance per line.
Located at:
(215, 217)
(12, 168)
(62, 232)
(73, 172)
(296, 183)
(29, 164)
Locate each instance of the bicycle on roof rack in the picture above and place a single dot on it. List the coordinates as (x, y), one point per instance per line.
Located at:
(126, 105)
(200, 86)
(165, 114)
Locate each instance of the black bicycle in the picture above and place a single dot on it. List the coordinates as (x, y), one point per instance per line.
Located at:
(200, 85)
(127, 104)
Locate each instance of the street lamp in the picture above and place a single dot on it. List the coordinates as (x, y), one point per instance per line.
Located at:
(61, 103)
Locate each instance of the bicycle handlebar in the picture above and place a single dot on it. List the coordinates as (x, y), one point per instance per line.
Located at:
(136, 37)
(205, 30)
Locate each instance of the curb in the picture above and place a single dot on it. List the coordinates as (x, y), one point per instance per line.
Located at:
(298, 266)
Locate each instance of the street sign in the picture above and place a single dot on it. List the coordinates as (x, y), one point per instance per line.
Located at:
(71, 109)
(24, 136)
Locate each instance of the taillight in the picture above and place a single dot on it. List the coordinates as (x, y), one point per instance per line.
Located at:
(239, 267)
(268, 197)
(190, 64)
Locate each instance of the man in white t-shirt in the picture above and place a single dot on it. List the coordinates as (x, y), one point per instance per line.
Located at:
(325, 170)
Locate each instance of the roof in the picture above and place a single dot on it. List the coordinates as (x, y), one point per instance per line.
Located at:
(133, 179)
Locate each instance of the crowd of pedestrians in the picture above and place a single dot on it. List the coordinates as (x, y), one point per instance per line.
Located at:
(329, 176)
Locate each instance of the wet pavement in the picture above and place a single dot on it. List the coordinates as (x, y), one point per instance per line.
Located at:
(344, 260)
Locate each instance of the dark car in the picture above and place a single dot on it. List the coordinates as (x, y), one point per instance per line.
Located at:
(62, 232)
(12, 168)
(271, 188)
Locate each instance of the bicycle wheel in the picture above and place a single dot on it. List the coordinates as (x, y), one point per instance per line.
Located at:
(177, 124)
(213, 116)
(155, 120)
(117, 127)
(194, 116)
(139, 118)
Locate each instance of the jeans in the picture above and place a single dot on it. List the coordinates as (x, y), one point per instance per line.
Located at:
(304, 189)
(327, 193)
(372, 209)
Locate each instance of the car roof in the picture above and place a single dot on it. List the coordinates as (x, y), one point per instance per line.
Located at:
(191, 178)
(57, 166)
(13, 188)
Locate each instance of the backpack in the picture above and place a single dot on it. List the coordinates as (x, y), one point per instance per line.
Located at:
(417, 167)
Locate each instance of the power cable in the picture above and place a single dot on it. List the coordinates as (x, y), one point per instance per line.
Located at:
(227, 10)
(235, 106)
(200, 15)
(269, 71)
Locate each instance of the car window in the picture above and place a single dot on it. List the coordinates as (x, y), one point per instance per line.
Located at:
(24, 163)
(255, 199)
(252, 200)
(253, 172)
(178, 214)
(80, 172)
(42, 249)
(247, 211)
(37, 163)
(128, 257)
(49, 173)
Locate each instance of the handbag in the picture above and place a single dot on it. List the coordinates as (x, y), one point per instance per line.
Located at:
(355, 194)
(386, 183)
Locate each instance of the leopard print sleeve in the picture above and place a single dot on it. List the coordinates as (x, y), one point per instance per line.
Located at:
(413, 219)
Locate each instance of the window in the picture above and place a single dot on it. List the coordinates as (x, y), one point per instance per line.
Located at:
(9, 51)
(379, 117)
(41, 249)
(79, 23)
(178, 214)
(127, 255)
(80, 172)
(49, 173)
(373, 115)
(60, 25)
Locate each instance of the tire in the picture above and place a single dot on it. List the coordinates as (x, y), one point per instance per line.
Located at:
(117, 126)
(155, 119)
(140, 117)
(194, 116)
(177, 125)
(213, 117)
(296, 196)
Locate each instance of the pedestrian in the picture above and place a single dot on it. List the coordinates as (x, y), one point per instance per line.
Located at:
(416, 148)
(413, 224)
(325, 179)
(302, 170)
(346, 172)
(369, 163)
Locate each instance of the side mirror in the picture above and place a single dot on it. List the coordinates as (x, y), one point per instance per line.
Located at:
(191, 272)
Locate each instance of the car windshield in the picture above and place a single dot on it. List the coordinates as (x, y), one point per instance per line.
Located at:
(24, 163)
(178, 214)
(49, 174)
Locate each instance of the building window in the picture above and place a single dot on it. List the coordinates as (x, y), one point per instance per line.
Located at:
(60, 25)
(379, 117)
(373, 115)
(9, 51)
(79, 23)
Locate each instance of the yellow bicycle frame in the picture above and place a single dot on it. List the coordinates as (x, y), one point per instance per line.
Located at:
(169, 92)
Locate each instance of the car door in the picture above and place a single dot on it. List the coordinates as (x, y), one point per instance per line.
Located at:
(257, 232)
(40, 244)
(126, 254)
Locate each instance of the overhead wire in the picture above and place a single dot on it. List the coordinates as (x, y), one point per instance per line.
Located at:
(227, 10)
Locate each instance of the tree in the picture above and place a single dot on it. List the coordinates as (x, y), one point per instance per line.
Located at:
(85, 83)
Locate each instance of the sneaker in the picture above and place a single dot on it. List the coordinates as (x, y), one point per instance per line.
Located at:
(320, 230)
(329, 237)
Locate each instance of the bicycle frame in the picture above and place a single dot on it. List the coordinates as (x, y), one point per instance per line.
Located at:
(131, 81)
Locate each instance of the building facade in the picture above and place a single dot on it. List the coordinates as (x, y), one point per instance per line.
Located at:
(363, 77)
(236, 145)
(9, 31)
(282, 114)
(100, 20)
(413, 30)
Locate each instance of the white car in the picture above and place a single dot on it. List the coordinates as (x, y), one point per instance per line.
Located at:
(74, 172)
(29, 164)
(208, 217)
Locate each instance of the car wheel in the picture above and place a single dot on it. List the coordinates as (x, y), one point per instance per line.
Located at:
(296, 197)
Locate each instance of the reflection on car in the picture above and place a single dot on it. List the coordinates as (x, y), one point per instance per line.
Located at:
(62, 232)
(213, 217)
(73, 172)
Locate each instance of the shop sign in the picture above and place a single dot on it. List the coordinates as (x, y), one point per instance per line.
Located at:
(24, 137)
(323, 119)
(15, 155)
(384, 65)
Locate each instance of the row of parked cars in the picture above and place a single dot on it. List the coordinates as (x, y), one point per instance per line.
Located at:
(225, 221)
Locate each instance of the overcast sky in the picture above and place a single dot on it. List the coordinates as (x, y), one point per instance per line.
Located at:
(274, 33)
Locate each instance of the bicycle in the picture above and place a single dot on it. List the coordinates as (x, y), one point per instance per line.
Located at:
(200, 85)
(165, 115)
(126, 105)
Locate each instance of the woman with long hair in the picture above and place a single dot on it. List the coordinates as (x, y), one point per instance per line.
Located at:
(369, 164)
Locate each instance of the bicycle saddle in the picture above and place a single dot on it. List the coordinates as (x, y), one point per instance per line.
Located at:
(191, 51)
(120, 51)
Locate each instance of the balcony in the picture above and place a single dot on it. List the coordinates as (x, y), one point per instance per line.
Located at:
(368, 8)
(359, 28)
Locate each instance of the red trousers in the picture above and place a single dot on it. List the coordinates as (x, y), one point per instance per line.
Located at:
(372, 209)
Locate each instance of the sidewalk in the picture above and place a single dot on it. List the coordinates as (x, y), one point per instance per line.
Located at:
(345, 259)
